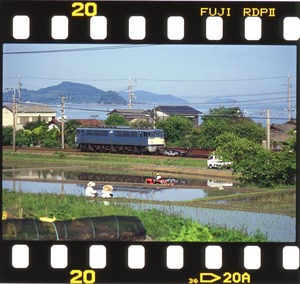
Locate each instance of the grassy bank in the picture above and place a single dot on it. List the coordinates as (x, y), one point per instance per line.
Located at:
(98, 159)
(274, 201)
(159, 226)
(112, 163)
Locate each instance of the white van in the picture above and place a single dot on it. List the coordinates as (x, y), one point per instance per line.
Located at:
(215, 162)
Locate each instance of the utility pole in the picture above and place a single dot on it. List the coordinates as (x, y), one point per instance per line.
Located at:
(19, 87)
(14, 111)
(63, 120)
(129, 93)
(155, 117)
(14, 120)
(268, 130)
(289, 96)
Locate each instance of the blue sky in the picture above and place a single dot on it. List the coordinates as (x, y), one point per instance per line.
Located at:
(194, 72)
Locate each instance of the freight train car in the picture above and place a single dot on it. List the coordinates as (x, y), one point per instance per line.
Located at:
(119, 140)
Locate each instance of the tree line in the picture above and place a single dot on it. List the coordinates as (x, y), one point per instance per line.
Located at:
(235, 137)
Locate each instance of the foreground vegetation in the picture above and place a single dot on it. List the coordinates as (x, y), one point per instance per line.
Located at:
(159, 226)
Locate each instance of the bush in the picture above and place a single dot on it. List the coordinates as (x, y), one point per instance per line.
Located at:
(191, 231)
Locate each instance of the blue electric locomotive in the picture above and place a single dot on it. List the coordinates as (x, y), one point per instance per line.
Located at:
(119, 140)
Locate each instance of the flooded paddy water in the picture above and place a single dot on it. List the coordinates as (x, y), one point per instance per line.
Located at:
(278, 228)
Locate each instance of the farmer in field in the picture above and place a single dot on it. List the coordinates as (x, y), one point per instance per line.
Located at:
(158, 177)
(107, 191)
(90, 191)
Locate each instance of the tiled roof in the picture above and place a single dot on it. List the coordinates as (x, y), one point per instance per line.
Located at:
(30, 108)
(288, 126)
(90, 122)
(280, 132)
(180, 110)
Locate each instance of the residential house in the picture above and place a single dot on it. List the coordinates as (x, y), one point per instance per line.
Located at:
(132, 115)
(53, 123)
(280, 133)
(163, 112)
(26, 113)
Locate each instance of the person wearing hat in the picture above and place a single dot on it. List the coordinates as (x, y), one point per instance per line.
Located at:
(107, 191)
(158, 177)
(90, 191)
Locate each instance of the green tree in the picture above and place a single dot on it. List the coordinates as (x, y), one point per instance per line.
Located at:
(286, 161)
(259, 170)
(38, 134)
(192, 139)
(116, 119)
(176, 128)
(141, 124)
(23, 138)
(34, 124)
(51, 138)
(70, 132)
(234, 148)
(257, 166)
(7, 135)
(228, 120)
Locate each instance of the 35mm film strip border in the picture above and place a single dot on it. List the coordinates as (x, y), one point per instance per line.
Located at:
(134, 22)
(174, 30)
(151, 263)
(151, 22)
(174, 256)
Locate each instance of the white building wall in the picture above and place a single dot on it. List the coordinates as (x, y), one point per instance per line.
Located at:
(23, 118)
(161, 115)
(7, 117)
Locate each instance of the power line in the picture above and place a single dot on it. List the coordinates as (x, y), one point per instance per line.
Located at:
(156, 80)
(77, 49)
(106, 111)
(238, 102)
(211, 80)
(248, 95)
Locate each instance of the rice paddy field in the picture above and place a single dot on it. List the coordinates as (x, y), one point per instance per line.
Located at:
(60, 171)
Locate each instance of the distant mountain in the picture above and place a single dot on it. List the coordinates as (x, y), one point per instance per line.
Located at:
(83, 93)
(155, 99)
(80, 93)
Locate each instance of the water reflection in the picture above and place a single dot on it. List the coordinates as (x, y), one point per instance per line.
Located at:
(169, 193)
(60, 181)
(277, 227)
(219, 184)
(71, 175)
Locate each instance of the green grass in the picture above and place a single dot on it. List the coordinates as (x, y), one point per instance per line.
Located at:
(98, 159)
(159, 226)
